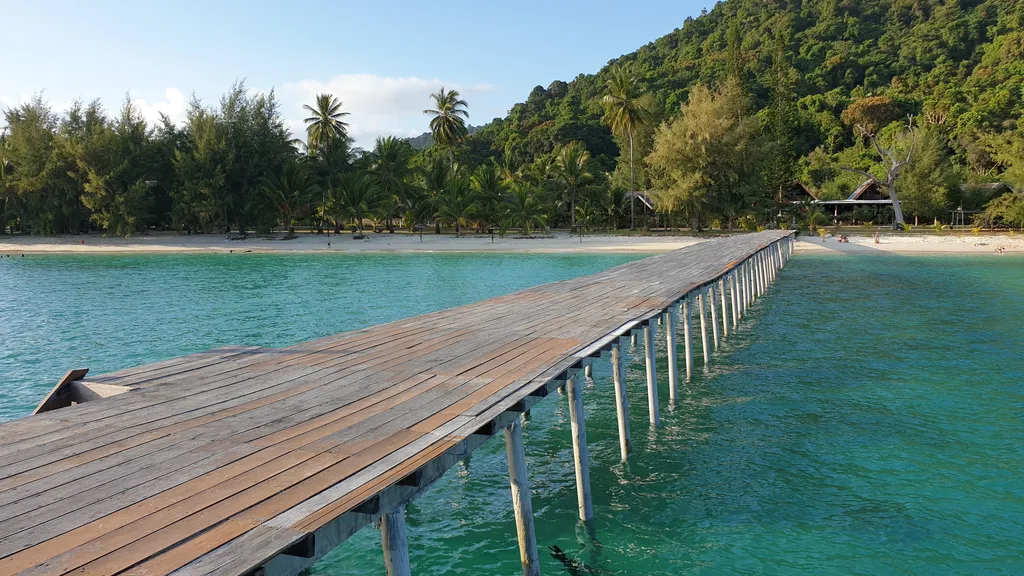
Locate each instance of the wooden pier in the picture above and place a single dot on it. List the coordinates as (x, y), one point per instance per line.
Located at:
(259, 461)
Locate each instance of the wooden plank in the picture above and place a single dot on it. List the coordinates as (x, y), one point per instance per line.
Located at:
(60, 396)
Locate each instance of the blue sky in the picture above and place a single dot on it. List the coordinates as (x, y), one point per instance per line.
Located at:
(381, 58)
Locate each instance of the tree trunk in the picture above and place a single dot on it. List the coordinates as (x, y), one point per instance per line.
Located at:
(896, 208)
(632, 200)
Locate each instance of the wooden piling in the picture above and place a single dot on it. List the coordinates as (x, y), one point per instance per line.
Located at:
(588, 370)
(670, 352)
(395, 543)
(621, 401)
(687, 338)
(579, 448)
(652, 380)
(725, 307)
(705, 348)
(735, 301)
(714, 314)
(521, 504)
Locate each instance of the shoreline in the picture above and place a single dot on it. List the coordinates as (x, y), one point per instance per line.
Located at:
(918, 244)
(405, 243)
(557, 243)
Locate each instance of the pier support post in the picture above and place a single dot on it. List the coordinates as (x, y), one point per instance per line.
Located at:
(754, 283)
(703, 329)
(744, 289)
(725, 308)
(652, 379)
(521, 504)
(714, 314)
(579, 448)
(687, 338)
(621, 401)
(670, 353)
(735, 301)
(395, 543)
(588, 370)
(632, 339)
(765, 275)
(760, 274)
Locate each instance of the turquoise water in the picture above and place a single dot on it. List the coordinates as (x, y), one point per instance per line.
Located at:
(867, 418)
(110, 312)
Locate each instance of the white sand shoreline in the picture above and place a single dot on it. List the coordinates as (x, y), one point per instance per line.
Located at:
(920, 244)
(558, 243)
(312, 243)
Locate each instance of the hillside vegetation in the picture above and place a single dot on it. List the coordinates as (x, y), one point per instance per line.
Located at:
(713, 122)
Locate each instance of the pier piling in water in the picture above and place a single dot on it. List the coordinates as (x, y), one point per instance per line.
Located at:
(705, 349)
(670, 353)
(687, 339)
(652, 377)
(714, 315)
(725, 311)
(621, 401)
(579, 448)
(521, 504)
(395, 543)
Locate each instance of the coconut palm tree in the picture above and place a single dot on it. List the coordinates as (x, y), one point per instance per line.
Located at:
(392, 172)
(489, 187)
(455, 204)
(524, 207)
(435, 180)
(325, 122)
(448, 125)
(356, 197)
(627, 109)
(571, 174)
(292, 193)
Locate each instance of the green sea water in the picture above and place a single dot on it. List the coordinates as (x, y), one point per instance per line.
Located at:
(866, 418)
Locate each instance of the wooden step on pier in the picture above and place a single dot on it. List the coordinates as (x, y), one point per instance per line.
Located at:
(243, 461)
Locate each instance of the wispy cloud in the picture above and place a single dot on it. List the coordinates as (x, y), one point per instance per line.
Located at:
(173, 105)
(378, 105)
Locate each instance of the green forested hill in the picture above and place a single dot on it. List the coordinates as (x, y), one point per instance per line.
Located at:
(726, 113)
(957, 65)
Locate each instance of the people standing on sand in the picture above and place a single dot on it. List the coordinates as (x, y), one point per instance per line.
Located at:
(876, 237)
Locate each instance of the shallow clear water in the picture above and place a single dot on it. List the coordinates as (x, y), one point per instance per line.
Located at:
(867, 418)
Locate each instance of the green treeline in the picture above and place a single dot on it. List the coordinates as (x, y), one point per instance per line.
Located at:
(714, 122)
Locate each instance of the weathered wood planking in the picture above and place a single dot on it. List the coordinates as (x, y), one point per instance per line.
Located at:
(216, 462)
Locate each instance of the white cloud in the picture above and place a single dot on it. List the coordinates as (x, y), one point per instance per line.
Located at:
(377, 105)
(173, 105)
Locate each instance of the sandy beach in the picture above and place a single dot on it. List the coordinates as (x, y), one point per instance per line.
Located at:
(556, 243)
(914, 244)
(219, 243)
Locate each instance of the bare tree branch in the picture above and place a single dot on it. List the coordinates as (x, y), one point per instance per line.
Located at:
(866, 175)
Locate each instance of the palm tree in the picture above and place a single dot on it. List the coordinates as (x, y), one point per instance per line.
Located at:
(455, 204)
(571, 173)
(355, 198)
(489, 191)
(611, 204)
(448, 125)
(435, 180)
(291, 192)
(325, 122)
(391, 170)
(627, 109)
(524, 208)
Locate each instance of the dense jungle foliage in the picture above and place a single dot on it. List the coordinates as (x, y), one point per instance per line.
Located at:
(713, 123)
